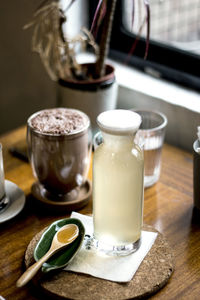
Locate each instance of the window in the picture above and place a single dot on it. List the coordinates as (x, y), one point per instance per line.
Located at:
(174, 22)
(174, 50)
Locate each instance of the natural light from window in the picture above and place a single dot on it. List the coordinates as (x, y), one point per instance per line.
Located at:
(173, 22)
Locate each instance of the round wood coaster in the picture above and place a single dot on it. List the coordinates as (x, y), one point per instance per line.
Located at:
(152, 275)
(81, 199)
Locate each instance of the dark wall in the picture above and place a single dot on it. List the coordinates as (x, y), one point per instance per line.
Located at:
(24, 84)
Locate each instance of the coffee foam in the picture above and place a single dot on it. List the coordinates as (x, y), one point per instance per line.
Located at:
(58, 121)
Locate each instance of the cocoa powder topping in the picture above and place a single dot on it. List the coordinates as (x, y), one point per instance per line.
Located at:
(58, 121)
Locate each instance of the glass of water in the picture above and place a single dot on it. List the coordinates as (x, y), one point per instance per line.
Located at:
(152, 133)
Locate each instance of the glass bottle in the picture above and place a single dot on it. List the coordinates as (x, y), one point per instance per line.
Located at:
(118, 169)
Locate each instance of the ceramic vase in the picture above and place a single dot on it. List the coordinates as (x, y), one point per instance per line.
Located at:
(90, 96)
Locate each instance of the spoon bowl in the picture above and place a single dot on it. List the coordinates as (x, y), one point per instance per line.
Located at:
(65, 236)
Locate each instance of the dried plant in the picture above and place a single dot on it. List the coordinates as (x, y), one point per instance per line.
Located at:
(58, 52)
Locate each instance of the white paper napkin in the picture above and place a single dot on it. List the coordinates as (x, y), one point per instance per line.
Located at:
(114, 268)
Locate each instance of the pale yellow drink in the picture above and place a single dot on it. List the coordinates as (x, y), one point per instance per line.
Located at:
(118, 188)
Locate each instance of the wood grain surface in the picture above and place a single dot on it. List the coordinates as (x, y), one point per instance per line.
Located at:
(168, 207)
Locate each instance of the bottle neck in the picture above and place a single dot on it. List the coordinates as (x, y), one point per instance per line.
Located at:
(115, 141)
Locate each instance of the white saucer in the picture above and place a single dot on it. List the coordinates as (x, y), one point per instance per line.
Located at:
(16, 201)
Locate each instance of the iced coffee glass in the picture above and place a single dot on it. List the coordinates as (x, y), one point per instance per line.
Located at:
(59, 147)
(152, 132)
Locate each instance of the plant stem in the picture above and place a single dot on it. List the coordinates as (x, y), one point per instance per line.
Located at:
(105, 37)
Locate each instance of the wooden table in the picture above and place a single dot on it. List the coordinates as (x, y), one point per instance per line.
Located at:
(168, 206)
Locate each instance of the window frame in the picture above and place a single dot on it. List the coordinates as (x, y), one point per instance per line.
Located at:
(163, 61)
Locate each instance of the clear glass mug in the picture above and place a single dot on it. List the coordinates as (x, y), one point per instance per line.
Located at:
(152, 133)
(60, 162)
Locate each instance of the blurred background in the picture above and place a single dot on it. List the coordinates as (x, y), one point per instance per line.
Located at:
(25, 87)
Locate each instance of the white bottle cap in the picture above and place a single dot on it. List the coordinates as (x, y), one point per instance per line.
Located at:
(119, 121)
